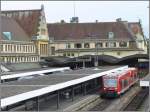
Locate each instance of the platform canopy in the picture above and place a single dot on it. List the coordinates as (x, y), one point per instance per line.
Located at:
(50, 84)
(16, 75)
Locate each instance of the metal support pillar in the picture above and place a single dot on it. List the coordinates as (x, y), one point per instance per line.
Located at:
(37, 103)
(95, 82)
(72, 89)
(84, 88)
(26, 108)
(5, 109)
(58, 99)
(83, 63)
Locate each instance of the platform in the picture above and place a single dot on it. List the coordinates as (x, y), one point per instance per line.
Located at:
(20, 90)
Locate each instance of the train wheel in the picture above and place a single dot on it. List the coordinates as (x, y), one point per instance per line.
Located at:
(102, 95)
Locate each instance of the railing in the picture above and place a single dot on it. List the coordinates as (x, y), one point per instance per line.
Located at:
(11, 42)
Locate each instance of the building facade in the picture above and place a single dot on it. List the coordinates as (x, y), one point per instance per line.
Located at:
(33, 22)
(118, 39)
(26, 32)
(24, 36)
(18, 52)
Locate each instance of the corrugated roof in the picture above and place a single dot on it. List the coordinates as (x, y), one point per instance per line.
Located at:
(69, 31)
(10, 25)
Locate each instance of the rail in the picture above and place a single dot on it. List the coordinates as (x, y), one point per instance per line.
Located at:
(135, 103)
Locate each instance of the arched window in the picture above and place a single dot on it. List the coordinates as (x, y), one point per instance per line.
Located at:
(110, 44)
(123, 44)
(99, 45)
(86, 45)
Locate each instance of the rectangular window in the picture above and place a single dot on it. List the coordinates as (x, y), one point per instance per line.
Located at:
(110, 35)
(68, 46)
(53, 50)
(78, 45)
(1, 47)
(18, 48)
(14, 48)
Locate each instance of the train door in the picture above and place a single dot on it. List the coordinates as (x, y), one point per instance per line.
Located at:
(101, 85)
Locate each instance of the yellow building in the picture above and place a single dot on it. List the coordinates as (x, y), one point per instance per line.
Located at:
(118, 39)
(33, 22)
(15, 44)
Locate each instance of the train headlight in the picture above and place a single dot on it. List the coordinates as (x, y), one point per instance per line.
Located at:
(104, 88)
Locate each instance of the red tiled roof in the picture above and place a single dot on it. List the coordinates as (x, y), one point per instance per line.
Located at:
(69, 31)
(10, 25)
(29, 22)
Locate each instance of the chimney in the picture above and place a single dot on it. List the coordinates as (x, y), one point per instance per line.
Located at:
(74, 20)
(62, 21)
(96, 21)
(118, 20)
(42, 7)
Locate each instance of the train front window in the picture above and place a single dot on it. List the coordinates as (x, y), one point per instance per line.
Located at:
(110, 83)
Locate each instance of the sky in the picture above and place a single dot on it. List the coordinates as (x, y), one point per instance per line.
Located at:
(87, 11)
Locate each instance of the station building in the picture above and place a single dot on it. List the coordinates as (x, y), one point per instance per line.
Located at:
(118, 39)
(26, 32)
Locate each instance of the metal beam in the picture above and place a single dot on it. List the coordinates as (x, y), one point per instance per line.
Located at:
(72, 89)
(84, 88)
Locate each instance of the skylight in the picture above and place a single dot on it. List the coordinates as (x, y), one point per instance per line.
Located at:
(8, 35)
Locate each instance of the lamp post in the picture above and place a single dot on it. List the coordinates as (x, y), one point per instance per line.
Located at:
(96, 55)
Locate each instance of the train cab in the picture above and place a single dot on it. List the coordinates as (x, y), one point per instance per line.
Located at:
(109, 86)
(117, 82)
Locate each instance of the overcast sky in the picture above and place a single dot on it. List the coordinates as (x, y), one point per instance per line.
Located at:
(87, 11)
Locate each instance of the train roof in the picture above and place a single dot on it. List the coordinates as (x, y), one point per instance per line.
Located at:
(119, 73)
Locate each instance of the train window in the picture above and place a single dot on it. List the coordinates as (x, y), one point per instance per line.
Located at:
(134, 76)
(110, 83)
(125, 82)
(122, 84)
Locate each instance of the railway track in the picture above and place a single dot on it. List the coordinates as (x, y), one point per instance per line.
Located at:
(114, 104)
(102, 105)
(135, 103)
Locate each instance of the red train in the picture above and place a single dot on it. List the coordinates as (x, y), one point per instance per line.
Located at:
(118, 82)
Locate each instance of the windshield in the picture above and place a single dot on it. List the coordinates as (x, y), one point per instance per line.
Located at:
(110, 83)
